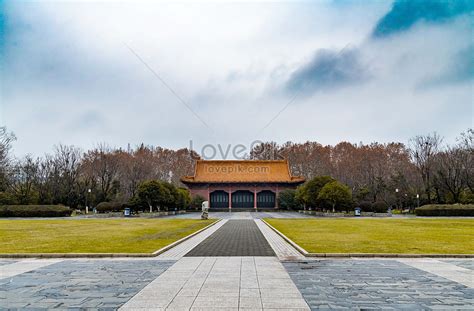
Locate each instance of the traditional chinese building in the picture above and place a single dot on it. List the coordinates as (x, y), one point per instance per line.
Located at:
(234, 184)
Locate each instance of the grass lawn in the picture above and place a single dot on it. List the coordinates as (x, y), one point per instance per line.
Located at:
(359, 235)
(93, 235)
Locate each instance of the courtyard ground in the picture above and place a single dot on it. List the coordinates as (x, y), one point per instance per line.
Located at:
(380, 235)
(238, 263)
(93, 235)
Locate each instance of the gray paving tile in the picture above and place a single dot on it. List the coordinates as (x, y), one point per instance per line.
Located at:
(375, 284)
(6, 262)
(463, 263)
(80, 284)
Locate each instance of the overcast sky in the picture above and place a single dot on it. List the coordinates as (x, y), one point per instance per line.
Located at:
(223, 72)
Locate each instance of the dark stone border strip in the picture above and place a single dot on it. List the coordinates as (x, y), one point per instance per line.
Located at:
(234, 239)
(364, 255)
(106, 255)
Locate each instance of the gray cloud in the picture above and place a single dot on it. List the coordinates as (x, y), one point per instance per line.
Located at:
(69, 78)
(329, 69)
(404, 14)
(460, 69)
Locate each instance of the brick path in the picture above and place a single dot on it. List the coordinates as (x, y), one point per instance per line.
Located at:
(234, 238)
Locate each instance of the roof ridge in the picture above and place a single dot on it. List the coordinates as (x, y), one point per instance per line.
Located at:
(243, 171)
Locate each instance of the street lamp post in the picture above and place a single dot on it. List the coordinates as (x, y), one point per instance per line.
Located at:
(87, 194)
(418, 200)
(396, 191)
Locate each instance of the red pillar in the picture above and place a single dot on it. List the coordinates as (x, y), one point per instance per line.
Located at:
(276, 197)
(255, 197)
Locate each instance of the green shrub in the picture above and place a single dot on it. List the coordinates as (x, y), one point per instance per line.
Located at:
(365, 206)
(34, 211)
(287, 200)
(336, 194)
(445, 210)
(379, 207)
(196, 202)
(108, 207)
(7, 199)
(308, 193)
(467, 197)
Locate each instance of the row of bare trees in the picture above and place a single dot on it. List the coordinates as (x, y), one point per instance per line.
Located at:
(435, 171)
(73, 178)
(393, 172)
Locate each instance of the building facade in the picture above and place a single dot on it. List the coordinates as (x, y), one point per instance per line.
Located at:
(244, 184)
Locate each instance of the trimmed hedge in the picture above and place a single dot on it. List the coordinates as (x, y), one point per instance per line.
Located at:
(365, 206)
(34, 211)
(375, 207)
(108, 207)
(379, 207)
(445, 210)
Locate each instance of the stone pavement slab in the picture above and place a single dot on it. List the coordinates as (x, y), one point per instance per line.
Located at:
(183, 248)
(221, 283)
(467, 263)
(22, 266)
(79, 284)
(443, 269)
(282, 249)
(234, 238)
(375, 284)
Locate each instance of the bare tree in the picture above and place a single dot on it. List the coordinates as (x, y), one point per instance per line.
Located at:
(66, 162)
(44, 179)
(102, 165)
(23, 180)
(466, 145)
(449, 172)
(423, 151)
(6, 139)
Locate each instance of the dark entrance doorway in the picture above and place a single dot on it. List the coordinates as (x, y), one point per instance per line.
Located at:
(266, 199)
(219, 199)
(242, 199)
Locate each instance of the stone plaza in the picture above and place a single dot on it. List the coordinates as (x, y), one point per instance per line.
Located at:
(255, 270)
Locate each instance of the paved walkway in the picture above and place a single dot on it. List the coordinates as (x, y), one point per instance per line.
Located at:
(283, 250)
(182, 249)
(74, 284)
(374, 284)
(446, 270)
(222, 283)
(234, 238)
(23, 266)
(281, 280)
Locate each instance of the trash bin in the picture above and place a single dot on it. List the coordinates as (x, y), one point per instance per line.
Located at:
(357, 211)
(126, 212)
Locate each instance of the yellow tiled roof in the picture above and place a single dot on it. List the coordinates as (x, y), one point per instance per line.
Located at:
(242, 171)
